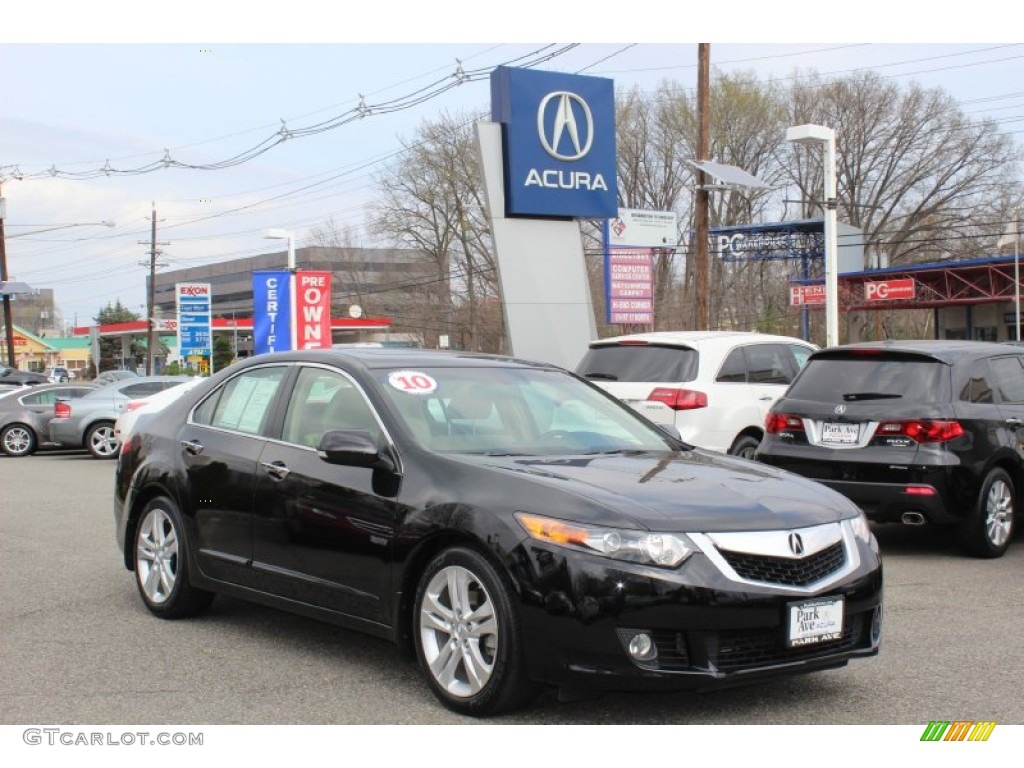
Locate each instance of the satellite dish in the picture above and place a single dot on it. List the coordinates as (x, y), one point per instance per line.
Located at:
(355, 311)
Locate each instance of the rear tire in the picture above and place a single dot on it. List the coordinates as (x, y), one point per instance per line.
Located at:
(745, 446)
(467, 635)
(17, 440)
(100, 440)
(161, 559)
(987, 532)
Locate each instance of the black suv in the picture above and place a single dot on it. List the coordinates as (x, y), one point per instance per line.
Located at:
(913, 431)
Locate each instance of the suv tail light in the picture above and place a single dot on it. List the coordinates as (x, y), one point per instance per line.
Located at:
(61, 410)
(921, 431)
(679, 399)
(783, 422)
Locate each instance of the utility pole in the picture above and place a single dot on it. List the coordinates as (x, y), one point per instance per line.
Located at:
(8, 318)
(703, 152)
(151, 298)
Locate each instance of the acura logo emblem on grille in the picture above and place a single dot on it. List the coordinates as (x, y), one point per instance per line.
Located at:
(796, 544)
(840, 409)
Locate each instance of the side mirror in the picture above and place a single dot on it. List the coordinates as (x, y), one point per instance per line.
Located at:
(353, 448)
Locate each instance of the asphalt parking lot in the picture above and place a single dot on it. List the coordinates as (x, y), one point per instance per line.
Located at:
(79, 647)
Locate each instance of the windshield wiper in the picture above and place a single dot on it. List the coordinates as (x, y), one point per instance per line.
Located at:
(597, 375)
(870, 396)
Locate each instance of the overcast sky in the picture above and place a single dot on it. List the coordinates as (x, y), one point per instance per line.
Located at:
(203, 87)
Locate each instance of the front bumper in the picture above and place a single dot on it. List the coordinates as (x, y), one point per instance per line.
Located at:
(580, 612)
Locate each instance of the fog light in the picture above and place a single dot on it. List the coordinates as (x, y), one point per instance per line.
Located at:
(641, 647)
(876, 626)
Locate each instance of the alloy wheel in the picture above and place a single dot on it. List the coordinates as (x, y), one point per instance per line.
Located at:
(156, 563)
(999, 513)
(458, 631)
(18, 441)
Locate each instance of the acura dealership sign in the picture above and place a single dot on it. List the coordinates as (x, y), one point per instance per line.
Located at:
(559, 138)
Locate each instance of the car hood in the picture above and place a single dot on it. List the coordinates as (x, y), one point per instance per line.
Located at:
(694, 491)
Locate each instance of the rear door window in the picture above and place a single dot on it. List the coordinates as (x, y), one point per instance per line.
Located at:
(1008, 378)
(646, 362)
(852, 377)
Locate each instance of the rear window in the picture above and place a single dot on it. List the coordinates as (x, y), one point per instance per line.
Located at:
(639, 363)
(851, 378)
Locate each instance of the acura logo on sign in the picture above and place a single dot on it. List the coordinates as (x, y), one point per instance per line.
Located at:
(562, 125)
(796, 544)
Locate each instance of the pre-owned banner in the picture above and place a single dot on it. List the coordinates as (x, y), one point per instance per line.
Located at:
(272, 311)
(313, 310)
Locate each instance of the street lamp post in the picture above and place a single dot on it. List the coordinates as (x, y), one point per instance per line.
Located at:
(819, 134)
(283, 234)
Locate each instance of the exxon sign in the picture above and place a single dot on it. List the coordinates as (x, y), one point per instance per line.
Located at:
(559, 137)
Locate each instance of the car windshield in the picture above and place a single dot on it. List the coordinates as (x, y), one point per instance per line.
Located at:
(639, 362)
(514, 411)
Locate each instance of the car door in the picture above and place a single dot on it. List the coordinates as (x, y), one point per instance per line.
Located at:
(770, 370)
(220, 445)
(323, 533)
(1008, 383)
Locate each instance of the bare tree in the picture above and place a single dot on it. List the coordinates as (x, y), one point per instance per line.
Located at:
(432, 200)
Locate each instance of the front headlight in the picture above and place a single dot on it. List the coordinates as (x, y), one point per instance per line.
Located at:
(663, 549)
(862, 530)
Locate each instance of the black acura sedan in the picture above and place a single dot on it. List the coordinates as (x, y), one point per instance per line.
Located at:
(506, 522)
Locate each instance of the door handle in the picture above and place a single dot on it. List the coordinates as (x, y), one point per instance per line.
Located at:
(194, 447)
(766, 398)
(276, 469)
(1014, 422)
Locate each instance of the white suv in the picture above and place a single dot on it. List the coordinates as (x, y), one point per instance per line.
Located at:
(715, 387)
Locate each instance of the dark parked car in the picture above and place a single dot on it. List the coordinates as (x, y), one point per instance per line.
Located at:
(912, 431)
(509, 523)
(15, 378)
(25, 415)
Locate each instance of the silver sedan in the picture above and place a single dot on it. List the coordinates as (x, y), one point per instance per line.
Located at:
(88, 422)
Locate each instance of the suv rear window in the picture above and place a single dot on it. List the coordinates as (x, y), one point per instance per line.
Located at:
(639, 362)
(838, 378)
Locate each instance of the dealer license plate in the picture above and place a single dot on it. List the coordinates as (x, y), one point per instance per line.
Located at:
(843, 434)
(815, 621)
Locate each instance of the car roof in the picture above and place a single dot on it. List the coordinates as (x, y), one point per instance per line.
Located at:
(698, 338)
(373, 358)
(946, 351)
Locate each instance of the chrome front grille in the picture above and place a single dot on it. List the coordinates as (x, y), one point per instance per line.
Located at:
(787, 571)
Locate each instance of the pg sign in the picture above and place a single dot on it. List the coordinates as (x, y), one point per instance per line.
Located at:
(559, 139)
(890, 290)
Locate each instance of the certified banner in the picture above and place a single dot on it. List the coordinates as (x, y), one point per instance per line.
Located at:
(313, 310)
(272, 311)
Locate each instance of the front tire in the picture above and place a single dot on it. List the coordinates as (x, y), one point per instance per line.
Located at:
(101, 441)
(987, 532)
(162, 566)
(18, 440)
(467, 635)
